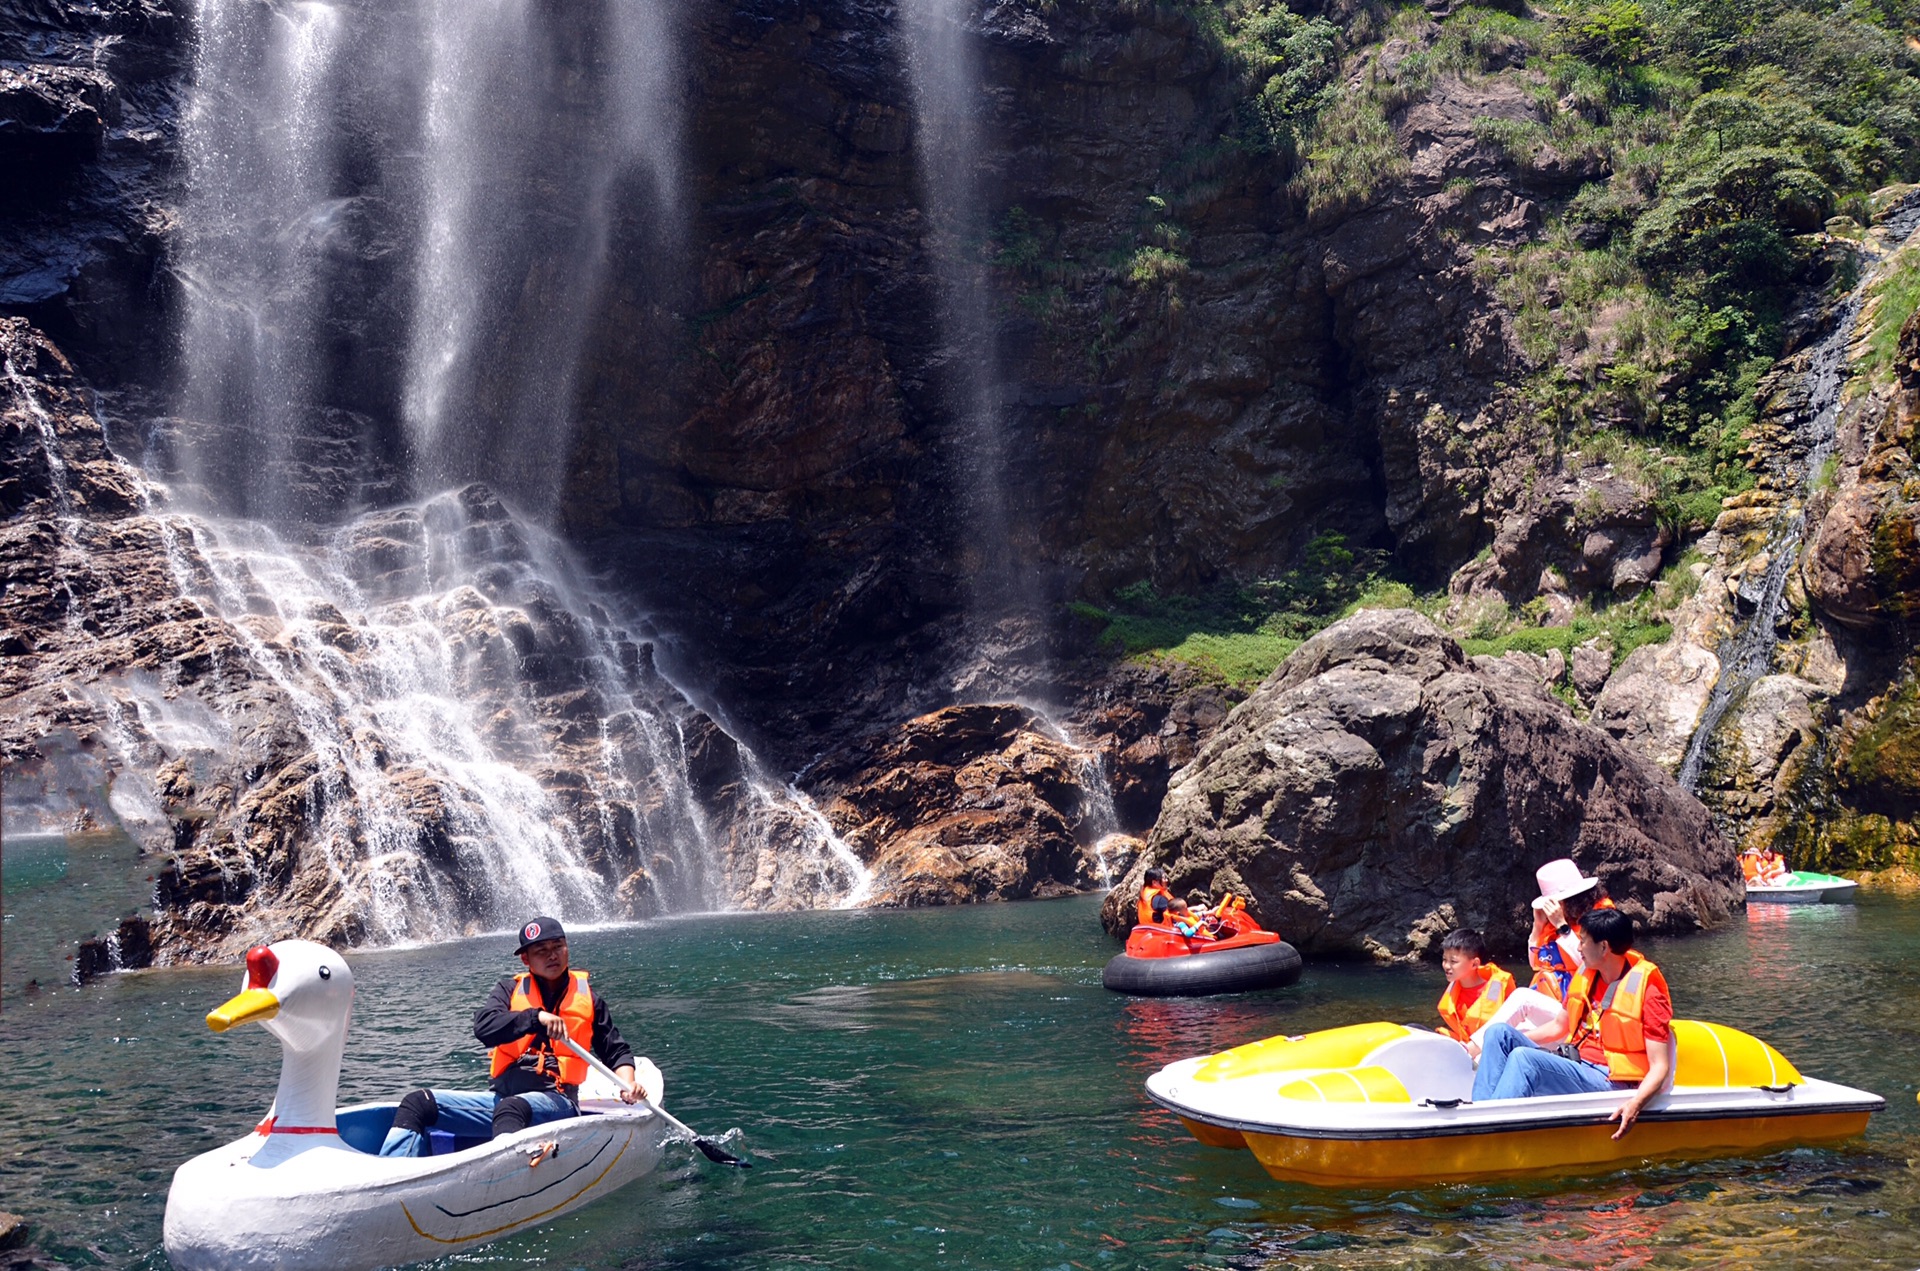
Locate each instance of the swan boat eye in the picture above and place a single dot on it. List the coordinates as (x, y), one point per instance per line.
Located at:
(326, 973)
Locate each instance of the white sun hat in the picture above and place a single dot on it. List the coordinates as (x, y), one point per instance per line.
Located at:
(1560, 880)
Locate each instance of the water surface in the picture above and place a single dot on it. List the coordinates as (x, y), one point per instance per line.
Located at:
(953, 1088)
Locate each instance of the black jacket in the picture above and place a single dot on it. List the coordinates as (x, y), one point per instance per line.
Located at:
(497, 1023)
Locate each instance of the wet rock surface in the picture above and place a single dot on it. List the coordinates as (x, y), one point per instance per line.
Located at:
(975, 802)
(771, 457)
(1381, 788)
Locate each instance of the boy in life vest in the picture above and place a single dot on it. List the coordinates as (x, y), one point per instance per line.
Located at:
(1622, 1035)
(1476, 988)
(1153, 887)
(534, 1078)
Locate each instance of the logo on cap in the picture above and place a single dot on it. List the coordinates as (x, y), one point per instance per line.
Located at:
(532, 932)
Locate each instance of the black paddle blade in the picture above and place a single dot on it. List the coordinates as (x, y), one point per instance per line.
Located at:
(719, 1155)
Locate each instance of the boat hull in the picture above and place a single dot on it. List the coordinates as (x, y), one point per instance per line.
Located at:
(1261, 966)
(1370, 1162)
(1387, 1105)
(1805, 889)
(259, 1203)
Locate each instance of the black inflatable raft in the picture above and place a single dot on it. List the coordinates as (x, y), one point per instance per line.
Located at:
(1260, 966)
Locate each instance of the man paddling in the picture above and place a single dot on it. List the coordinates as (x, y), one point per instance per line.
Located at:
(534, 1078)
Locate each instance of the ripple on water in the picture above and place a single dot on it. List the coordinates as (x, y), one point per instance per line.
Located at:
(954, 1088)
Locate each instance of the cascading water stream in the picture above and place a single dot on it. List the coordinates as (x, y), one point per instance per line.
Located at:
(396, 240)
(944, 66)
(1748, 654)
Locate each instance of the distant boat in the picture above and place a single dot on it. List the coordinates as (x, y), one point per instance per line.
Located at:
(1388, 1105)
(307, 1190)
(1160, 962)
(1804, 888)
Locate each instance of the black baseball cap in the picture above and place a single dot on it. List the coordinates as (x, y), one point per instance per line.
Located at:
(537, 930)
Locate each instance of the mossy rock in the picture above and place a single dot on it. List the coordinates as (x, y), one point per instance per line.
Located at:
(1871, 841)
(1884, 756)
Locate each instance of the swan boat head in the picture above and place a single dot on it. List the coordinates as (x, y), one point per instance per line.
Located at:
(302, 993)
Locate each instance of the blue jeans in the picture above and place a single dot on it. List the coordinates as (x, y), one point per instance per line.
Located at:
(1512, 1067)
(469, 1114)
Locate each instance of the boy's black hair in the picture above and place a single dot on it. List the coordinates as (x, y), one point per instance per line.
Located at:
(1467, 941)
(1611, 928)
(1156, 875)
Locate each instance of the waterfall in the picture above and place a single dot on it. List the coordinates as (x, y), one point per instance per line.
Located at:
(949, 96)
(505, 287)
(437, 657)
(1748, 653)
(396, 240)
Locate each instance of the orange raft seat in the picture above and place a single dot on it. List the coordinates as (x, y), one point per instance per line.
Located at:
(1160, 962)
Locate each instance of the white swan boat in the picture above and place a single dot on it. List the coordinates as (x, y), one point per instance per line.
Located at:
(306, 1190)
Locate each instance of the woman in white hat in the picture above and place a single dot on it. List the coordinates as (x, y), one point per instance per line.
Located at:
(1566, 896)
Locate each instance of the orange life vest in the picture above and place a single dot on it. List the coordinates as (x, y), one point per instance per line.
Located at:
(1616, 1017)
(576, 1007)
(1556, 971)
(1464, 1024)
(1144, 911)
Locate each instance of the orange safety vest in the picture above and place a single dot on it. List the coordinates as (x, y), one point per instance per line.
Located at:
(1616, 1017)
(1464, 1024)
(576, 1007)
(1144, 910)
(1554, 976)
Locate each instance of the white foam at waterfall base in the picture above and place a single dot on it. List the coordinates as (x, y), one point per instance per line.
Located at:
(403, 662)
(1099, 817)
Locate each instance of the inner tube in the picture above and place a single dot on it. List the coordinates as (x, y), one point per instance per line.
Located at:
(1260, 966)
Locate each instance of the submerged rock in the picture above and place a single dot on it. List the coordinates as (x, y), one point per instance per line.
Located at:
(1382, 788)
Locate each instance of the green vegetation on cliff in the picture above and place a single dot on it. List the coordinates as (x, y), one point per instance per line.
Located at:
(1686, 154)
(1239, 633)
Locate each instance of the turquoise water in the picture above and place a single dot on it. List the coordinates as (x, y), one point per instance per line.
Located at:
(953, 1088)
(60, 889)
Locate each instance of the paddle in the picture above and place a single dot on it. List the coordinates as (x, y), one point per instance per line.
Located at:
(708, 1148)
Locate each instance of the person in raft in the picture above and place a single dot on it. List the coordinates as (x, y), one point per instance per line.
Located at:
(1189, 921)
(1553, 950)
(1621, 1040)
(534, 1078)
(1476, 988)
(1153, 889)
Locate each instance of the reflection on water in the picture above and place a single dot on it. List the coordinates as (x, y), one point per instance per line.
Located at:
(954, 1088)
(60, 889)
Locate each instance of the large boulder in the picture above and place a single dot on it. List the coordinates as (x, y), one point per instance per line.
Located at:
(1381, 788)
(974, 802)
(1653, 701)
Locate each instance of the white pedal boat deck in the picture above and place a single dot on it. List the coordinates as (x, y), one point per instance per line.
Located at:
(1387, 1105)
(306, 1190)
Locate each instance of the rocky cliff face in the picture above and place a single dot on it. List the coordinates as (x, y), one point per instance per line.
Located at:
(1381, 789)
(780, 466)
(1202, 370)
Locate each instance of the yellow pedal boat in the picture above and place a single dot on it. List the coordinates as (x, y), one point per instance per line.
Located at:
(1387, 1105)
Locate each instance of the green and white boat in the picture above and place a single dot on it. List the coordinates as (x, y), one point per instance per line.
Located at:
(1804, 888)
